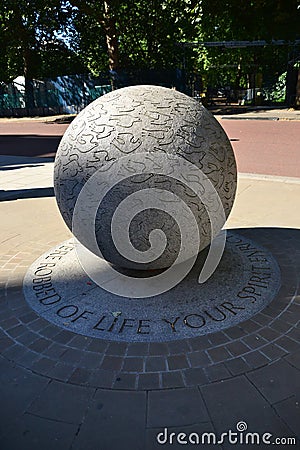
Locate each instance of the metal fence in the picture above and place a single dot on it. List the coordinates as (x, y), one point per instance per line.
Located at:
(62, 95)
(70, 94)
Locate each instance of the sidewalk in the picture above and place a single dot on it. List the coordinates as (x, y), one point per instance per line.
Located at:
(227, 112)
(28, 178)
(255, 113)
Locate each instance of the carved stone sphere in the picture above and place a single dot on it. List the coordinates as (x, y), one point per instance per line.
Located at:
(126, 129)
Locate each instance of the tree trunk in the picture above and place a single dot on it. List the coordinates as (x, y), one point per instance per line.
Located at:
(109, 22)
(291, 83)
(297, 101)
(29, 93)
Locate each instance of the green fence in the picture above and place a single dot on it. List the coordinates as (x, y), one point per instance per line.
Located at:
(63, 95)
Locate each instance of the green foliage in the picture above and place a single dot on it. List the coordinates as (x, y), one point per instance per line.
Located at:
(276, 92)
(149, 34)
(46, 39)
(29, 32)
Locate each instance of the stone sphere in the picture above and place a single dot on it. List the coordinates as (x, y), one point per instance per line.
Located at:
(133, 123)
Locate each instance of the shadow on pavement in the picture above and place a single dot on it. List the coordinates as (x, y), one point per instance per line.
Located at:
(242, 109)
(85, 405)
(21, 166)
(28, 145)
(7, 162)
(16, 194)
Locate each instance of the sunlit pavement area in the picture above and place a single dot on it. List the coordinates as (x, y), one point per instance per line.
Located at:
(61, 390)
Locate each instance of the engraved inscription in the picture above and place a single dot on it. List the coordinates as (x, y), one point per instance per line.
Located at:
(233, 297)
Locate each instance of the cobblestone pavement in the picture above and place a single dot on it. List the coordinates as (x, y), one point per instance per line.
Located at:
(65, 391)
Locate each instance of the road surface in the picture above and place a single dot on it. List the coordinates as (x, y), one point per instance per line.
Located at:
(261, 146)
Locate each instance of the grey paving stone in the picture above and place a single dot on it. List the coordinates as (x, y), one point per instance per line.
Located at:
(276, 381)
(155, 364)
(28, 358)
(79, 342)
(290, 317)
(200, 343)
(172, 380)
(289, 411)
(195, 377)
(38, 324)
(237, 348)
(254, 341)
(43, 365)
(273, 352)
(294, 359)
(108, 424)
(158, 348)
(116, 348)
(164, 434)
(61, 371)
(9, 323)
(5, 343)
(27, 338)
(178, 347)
(272, 311)
(218, 354)
(217, 372)
(29, 317)
(281, 326)
(49, 331)
(269, 334)
(250, 326)
(235, 400)
(35, 433)
(175, 407)
(261, 319)
(148, 381)
(256, 359)
(218, 338)
(55, 350)
(17, 330)
(112, 363)
(21, 309)
(177, 362)
(13, 352)
(294, 308)
(97, 345)
(133, 364)
(80, 376)
(138, 349)
(91, 360)
(18, 388)
(102, 378)
(71, 355)
(294, 334)
(40, 344)
(235, 332)
(237, 366)
(63, 337)
(198, 359)
(288, 344)
(62, 401)
(125, 381)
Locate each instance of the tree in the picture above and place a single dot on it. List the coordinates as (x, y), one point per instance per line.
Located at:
(27, 27)
(100, 15)
(138, 34)
(268, 20)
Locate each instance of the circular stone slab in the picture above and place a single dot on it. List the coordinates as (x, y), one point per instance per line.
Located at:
(245, 282)
(129, 127)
